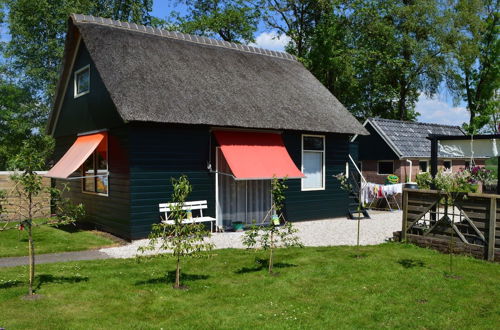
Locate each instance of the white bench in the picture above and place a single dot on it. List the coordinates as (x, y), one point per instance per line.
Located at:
(166, 208)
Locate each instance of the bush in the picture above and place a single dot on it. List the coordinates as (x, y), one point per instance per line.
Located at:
(424, 180)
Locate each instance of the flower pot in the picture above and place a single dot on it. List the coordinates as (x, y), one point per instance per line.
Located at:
(237, 225)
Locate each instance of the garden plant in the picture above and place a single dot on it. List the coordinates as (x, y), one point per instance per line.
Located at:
(183, 240)
(273, 235)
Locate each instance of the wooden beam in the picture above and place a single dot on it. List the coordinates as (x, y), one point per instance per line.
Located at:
(405, 216)
(434, 159)
(492, 227)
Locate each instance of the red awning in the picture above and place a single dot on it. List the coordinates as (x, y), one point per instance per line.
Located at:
(83, 147)
(256, 155)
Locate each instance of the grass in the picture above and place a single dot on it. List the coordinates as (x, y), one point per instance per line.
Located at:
(14, 243)
(492, 165)
(392, 286)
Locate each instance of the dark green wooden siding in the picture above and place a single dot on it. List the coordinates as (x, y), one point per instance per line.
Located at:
(95, 111)
(318, 204)
(88, 112)
(160, 152)
(373, 147)
(110, 213)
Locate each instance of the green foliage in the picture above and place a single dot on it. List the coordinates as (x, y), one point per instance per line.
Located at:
(473, 61)
(455, 182)
(344, 182)
(272, 236)
(230, 20)
(183, 240)
(424, 180)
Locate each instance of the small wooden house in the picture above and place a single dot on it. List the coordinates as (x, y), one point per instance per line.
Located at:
(394, 144)
(136, 106)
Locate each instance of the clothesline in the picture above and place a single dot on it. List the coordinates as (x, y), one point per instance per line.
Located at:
(373, 191)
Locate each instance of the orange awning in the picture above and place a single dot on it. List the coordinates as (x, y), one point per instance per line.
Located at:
(83, 147)
(256, 155)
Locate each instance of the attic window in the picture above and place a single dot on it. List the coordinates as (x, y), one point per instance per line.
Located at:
(82, 81)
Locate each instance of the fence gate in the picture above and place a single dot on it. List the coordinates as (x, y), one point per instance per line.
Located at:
(433, 218)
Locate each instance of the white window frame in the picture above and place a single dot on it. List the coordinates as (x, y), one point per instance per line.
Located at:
(82, 185)
(451, 164)
(385, 161)
(75, 81)
(323, 187)
(426, 161)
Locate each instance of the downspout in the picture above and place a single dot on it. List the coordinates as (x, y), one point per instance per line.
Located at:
(411, 166)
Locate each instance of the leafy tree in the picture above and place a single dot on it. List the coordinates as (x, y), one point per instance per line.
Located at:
(184, 240)
(474, 60)
(27, 194)
(296, 19)
(273, 235)
(230, 20)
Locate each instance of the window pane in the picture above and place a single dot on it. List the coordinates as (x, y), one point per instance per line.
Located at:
(83, 81)
(88, 170)
(447, 164)
(102, 171)
(385, 168)
(423, 166)
(313, 170)
(313, 143)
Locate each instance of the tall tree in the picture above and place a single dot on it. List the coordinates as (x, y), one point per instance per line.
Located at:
(229, 20)
(474, 60)
(296, 19)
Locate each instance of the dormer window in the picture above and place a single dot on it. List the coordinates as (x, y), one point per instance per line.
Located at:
(82, 81)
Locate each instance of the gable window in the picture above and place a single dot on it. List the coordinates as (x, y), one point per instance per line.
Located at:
(423, 165)
(447, 165)
(82, 81)
(313, 162)
(95, 171)
(385, 167)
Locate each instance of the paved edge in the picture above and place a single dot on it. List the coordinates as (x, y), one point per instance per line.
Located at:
(54, 257)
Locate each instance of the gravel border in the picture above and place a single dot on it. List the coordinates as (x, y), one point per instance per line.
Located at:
(328, 232)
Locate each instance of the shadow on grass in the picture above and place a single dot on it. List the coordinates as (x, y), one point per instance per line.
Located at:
(47, 278)
(170, 278)
(411, 263)
(263, 264)
(69, 228)
(10, 284)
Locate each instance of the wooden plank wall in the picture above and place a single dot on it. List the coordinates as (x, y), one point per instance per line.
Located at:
(13, 201)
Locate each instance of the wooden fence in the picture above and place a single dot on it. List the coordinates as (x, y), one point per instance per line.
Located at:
(13, 202)
(467, 223)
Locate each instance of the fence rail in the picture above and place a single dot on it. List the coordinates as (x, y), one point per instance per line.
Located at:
(465, 222)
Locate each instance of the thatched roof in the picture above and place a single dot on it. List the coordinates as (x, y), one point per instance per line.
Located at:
(167, 77)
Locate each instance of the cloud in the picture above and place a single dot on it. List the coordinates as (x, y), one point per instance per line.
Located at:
(271, 41)
(437, 110)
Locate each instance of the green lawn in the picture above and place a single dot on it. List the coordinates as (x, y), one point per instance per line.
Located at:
(14, 243)
(492, 165)
(393, 286)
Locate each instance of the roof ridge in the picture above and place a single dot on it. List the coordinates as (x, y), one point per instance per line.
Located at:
(414, 122)
(180, 36)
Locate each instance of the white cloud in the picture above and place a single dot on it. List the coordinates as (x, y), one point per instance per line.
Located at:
(271, 41)
(439, 111)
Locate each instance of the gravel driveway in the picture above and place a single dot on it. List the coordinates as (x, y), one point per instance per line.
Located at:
(337, 231)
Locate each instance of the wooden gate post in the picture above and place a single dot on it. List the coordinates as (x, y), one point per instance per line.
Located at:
(405, 216)
(492, 226)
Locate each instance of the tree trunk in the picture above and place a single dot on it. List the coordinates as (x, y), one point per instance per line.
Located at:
(31, 250)
(178, 274)
(271, 254)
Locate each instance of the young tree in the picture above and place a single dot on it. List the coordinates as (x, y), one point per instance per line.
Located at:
(229, 20)
(473, 73)
(28, 192)
(184, 240)
(273, 235)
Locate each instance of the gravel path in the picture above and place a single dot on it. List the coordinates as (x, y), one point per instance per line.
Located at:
(338, 231)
